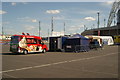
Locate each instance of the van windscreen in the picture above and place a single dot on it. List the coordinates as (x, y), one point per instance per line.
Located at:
(15, 39)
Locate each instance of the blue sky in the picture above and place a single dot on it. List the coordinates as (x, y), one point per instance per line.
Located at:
(18, 17)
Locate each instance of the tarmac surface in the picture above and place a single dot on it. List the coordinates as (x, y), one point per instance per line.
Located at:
(101, 63)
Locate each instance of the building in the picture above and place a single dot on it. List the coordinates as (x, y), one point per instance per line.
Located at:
(5, 37)
(106, 31)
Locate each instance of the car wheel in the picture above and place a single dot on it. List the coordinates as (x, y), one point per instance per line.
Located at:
(44, 51)
(25, 52)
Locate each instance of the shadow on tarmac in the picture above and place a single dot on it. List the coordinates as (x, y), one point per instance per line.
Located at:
(9, 53)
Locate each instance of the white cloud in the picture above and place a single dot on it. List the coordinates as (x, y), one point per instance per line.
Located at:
(90, 18)
(34, 20)
(2, 12)
(53, 11)
(13, 3)
(109, 2)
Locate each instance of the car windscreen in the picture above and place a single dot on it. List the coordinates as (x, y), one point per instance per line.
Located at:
(15, 39)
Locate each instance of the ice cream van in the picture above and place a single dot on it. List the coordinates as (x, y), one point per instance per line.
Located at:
(27, 44)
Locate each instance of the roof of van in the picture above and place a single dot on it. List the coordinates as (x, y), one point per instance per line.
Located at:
(29, 36)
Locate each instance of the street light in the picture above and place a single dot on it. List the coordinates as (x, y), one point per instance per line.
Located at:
(39, 28)
(104, 22)
(52, 25)
(98, 19)
(84, 27)
(98, 23)
(64, 28)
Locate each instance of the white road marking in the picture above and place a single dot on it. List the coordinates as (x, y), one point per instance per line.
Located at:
(45, 65)
(7, 71)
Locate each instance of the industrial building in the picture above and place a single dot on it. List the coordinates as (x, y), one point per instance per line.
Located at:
(106, 31)
(109, 30)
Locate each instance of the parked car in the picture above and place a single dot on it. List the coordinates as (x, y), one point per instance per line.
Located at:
(94, 44)
(27, 44)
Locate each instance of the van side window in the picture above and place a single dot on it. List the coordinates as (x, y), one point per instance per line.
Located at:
(31, 41)
(34, 41)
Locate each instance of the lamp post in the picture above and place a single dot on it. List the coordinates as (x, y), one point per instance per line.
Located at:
(98, 23)
(39, 28)
(64, 28)
(52, 26)
(104, 22)
(2, 32)
(84, 27)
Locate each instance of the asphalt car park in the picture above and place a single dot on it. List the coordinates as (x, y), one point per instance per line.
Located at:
(100, 63)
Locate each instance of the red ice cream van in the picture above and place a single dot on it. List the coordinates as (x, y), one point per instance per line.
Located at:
(27, 44)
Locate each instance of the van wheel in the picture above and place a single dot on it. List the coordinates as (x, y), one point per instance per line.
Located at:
(25, 52)
(44, 51)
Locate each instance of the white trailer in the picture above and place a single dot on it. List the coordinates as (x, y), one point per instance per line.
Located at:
(106, 40)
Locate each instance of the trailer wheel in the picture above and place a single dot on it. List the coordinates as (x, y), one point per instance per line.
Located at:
(44, 51)
(25, 52)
